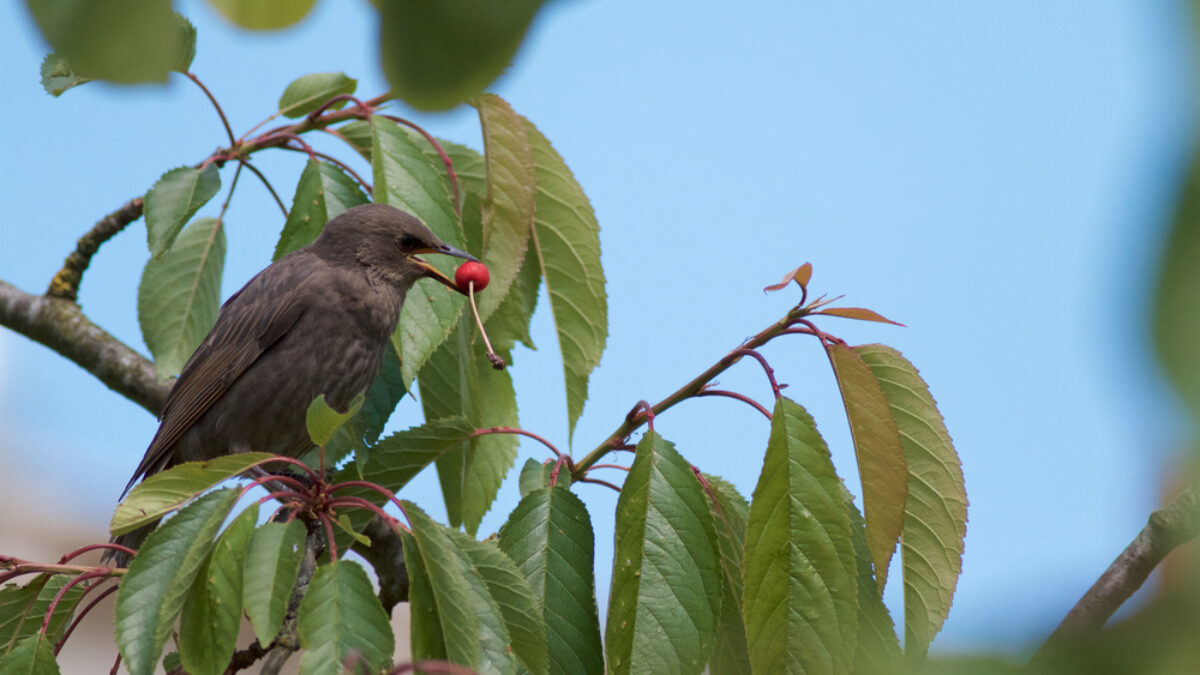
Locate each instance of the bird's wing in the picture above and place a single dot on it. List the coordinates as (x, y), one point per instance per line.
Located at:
(244, 331)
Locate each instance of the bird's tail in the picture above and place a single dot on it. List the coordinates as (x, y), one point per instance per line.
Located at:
(131, 540)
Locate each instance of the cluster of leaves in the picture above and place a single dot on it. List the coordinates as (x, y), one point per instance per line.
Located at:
(788, 580)
(436, 55)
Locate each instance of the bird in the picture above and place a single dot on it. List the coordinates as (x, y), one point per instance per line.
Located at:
(316, 321)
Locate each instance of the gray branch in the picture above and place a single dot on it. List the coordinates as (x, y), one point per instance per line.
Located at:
(62, 326)
(1169, 527)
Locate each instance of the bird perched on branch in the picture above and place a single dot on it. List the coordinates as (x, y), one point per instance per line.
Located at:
(317, 321)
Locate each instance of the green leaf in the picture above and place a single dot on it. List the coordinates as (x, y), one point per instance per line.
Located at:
(212, 611)
(880, 452)
(309, 92)
(877, 648)
(729, 513)
(509, 324)
(323, 421)
(323, 193)
(536, 475)
(394, 461)
(406, 179)
(666, 582)
(1177, 301)
(23, 608)
(57, 75)
(935, 520)
(168, 490)
(508, 204)
(340, 616)
(800, 588)
(458, 380)
(385, 392)
(126, 42)
(425, 626)
(264, 14)
(496, 651)
(272, 563)
(439, 54)
(525, 628)
(567, 240)
(180, 295)
(359, 135)
(174, 199)
(161, 574)
(549, 537)
(33, 655)
(469, 166)
(444, 595)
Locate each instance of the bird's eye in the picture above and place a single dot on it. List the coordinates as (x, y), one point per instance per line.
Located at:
(408, 242)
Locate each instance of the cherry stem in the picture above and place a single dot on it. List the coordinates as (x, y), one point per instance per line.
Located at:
(734, 395)
(521, 432)
(497, 361)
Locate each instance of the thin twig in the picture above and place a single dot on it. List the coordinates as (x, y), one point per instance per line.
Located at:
(1169, 527)
(335, 161)
(762, 361)
(81, 614)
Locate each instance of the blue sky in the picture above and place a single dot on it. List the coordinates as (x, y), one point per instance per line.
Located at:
(997, 176)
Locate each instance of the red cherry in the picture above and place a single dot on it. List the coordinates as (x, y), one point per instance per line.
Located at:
(471, 271)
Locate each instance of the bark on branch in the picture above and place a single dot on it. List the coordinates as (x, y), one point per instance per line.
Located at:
(65, 284)
(62, 326)
(1169, 527)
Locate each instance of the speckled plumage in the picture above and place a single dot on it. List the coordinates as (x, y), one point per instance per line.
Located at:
(315, 322)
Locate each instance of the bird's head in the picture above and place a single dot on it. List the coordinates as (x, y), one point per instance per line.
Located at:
(387, 240)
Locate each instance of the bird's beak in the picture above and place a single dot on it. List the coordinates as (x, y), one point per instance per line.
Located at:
(433, 272)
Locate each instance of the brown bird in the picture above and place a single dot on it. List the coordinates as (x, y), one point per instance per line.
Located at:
(317, 321)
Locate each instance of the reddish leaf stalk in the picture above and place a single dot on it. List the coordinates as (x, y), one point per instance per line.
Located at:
(370, 486)
(336, 162)
(762, 360)
(266, 183)
(333, 552)
(521, 432)
(441, 153)
(359, 502)
(609, 466)
(91, 547)
(82, 613)
(597, 481)
(212, 99)
(63, 591)
(361, 108)
(740, 397)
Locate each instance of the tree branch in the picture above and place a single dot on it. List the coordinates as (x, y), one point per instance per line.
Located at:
(1169, 527)
(61, 325)
(65, 284)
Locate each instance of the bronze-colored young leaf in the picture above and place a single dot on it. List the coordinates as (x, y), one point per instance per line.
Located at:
(880, 453)
(858, 313)
(935, 520)
(801, 275)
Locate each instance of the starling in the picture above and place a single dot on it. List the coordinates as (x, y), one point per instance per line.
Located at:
(316, 321)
